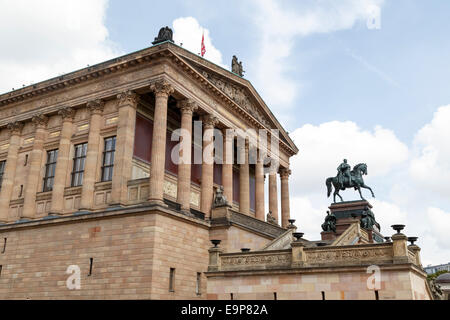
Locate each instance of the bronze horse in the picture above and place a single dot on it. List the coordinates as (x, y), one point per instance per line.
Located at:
(357, 182)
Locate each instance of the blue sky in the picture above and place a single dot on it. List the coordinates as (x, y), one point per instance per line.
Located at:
(411, 48)
(341, 89)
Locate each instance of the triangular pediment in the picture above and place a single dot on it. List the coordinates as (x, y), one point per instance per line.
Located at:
(239, 90)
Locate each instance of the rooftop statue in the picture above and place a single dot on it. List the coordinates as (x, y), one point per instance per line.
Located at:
(368, 219)
(330, 223)
(347, 178)
(270, 218)
(236, 67)
(165, 34)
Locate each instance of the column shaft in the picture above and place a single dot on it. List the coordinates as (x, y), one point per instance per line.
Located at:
(62, 163)
(10, 170)
(227, 168)
(273, 195)
(208, 165)
(285, 212)
(91, 167)
(244, 183)
(187, 108)
(34, 173)
(157, 167)
(124, 147)
(259, 190)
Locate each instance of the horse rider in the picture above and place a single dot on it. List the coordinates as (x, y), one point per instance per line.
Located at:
(344, 170)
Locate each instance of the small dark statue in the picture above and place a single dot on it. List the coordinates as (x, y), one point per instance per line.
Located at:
(368, 219)
(220, 200)
(330, 223)
(165, 34)
(270, 218)
(236, 67)
(347, 178)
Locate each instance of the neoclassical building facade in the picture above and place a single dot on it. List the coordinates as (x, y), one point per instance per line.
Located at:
(90, 150)
(96, 204)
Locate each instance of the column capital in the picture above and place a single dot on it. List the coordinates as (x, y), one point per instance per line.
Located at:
(187, 106)
(67, 114)
(228, 137)
(128, 98)
(40, 120)
(162, 88)
(285, 173)
(15, 127)
(209, 121)
(95, 106)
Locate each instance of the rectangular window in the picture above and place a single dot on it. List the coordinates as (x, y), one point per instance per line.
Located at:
(2, 170)
(198, 287)
(108, 158)
(50, 166)
(78, 164)
(172, 280)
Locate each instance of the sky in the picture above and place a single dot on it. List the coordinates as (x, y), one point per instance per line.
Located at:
(365, 80)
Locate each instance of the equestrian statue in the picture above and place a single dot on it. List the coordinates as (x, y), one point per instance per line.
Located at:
(347, 178)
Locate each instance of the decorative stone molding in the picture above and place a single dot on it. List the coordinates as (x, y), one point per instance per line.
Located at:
(96, 106)
(15, 127)
(238, 95)
(40, 120)
(67, 113)
(128, 98)
(162, 88)
(285, 173)
(187, 106)
(256, 224)
(209, 121)
(265, 260)
(348, 255)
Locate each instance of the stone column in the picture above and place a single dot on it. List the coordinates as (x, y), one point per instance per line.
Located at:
(244, 182)
(187, 108)
(259, 188)
(162, 90)
(207, 191)
(34, 173)
(127, 105)
(285, 212)
(90, 167)
(227, 167)
(273, 195)
(10, 169)
(62, 163)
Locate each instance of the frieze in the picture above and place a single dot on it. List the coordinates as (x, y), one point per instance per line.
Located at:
(280, 259)
(348, 255)
(238, 95)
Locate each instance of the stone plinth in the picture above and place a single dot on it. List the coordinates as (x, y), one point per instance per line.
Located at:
(328, 235)
(348, 211)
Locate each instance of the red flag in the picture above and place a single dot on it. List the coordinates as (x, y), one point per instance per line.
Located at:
(203, 50)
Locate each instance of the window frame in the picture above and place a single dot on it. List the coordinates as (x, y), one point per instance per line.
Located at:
(2, 171)
(108, 168)
(82, 162)
(53, 156)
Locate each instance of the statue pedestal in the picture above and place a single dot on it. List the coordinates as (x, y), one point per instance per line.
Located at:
(221, 212)
(328, 235)
(348, 211)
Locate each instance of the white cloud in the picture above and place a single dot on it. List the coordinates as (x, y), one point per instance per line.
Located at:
(280, 26)
(323, 147)
(431, 166)
(439, 221)
(43, 39)
(189, 32)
